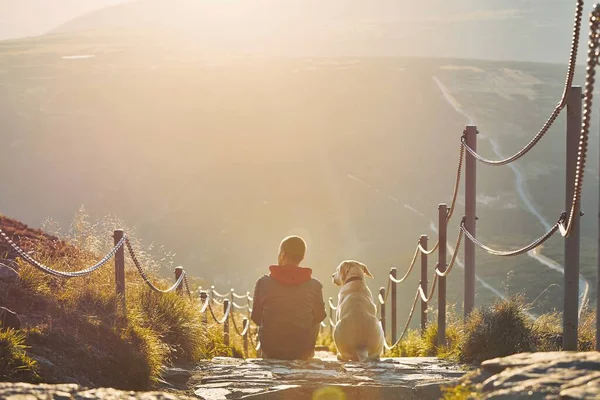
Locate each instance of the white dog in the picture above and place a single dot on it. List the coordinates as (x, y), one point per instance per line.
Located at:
(358, 334)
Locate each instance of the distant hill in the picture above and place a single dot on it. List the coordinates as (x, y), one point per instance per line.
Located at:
(472, 29)
(25, 18)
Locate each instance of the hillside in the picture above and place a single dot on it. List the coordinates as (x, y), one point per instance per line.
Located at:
(216, 159)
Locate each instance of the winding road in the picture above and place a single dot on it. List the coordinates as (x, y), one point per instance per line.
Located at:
(521, 187)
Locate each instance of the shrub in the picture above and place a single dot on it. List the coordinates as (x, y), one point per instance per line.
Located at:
(15, 364)
(501, 330)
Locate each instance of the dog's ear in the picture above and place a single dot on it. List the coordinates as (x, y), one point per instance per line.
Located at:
(343, 271)
(366, 270)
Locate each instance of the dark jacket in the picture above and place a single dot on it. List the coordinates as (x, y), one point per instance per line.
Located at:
(288, 308)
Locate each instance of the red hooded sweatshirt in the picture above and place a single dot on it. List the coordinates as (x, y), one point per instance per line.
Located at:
(290, 275)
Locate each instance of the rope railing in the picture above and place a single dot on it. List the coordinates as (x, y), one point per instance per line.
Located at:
(516, 252)
(331, 305)
(62, 274)
(593, 56)
(222, 320)
(559, 107)
(144, 276)
(239, 307)
(405, 330)
(217, 294)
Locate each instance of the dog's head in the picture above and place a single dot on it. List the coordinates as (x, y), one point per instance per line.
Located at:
(348, 269)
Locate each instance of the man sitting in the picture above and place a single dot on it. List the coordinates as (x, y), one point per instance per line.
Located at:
(288, 305)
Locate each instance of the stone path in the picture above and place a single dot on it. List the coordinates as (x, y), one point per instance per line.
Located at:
(322, 378)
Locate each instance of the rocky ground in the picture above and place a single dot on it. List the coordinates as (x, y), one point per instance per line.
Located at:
(226, 378)
(552, 375)
(324, 377)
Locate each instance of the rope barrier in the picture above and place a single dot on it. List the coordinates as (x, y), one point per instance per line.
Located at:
(410, 316)
(217, 294)
(205, 305)
(593, 55)
(187, 286)
(516, 252)
(410, 268)
(426, 299)
(334, 308)
(244, 331)
(559, 107)
(454, 256)
(238, 306)
(256, 344)
(145, 276)
(225, 315)
(62, 274)
(239, 296)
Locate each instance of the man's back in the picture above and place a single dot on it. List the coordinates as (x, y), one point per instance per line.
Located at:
(288, 308)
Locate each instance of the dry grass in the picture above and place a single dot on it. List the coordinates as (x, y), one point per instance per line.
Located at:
(495, 331)
(79, 326)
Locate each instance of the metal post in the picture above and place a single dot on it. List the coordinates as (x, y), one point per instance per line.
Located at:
(226, 322)
(423, 283)
(441, 334)
(203, 297)
(178, 272)
(120, 267)
(470, 218)
(247, 331)
(571, 277)
(394, 272)
(382, 294)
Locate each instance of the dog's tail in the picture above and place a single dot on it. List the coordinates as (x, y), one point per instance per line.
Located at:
(363, 354)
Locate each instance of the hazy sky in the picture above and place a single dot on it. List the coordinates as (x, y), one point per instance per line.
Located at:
(536, 30)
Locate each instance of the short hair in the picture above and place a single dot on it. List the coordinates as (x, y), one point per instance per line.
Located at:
(294, 248)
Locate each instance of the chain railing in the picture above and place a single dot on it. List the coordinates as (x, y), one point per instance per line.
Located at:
(61, 274)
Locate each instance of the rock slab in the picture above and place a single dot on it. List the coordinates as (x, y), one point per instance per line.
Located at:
(8, 274)
(26, 391)
(551, 375)
(322, 378)
(9, 319)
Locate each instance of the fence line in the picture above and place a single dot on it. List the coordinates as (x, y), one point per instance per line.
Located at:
(565, 224)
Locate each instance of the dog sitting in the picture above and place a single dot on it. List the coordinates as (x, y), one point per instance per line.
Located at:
(358, 335)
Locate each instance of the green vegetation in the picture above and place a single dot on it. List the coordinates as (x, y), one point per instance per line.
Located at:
(15, 364)
(500, 330)
(78, 331)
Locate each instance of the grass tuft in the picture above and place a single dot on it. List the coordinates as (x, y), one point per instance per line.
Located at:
(501, 330)
(15, 364)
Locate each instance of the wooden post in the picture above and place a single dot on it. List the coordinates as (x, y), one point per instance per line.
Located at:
(382, 294)
(441, 334)
(423, 284)
(203, 297)
(571, 263)
(178, 272)
(212, 295)
(226, 323)
(120, 267)
(394, 272)
(245, 324)
(470, 219)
